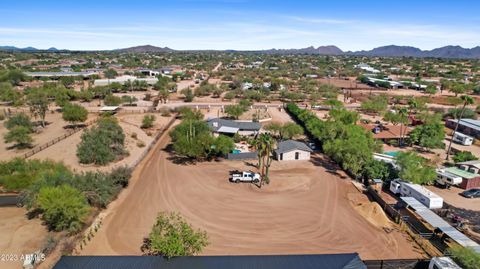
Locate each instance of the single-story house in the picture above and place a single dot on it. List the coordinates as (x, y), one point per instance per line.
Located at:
(469, 127)
(469, 171)
(292, 150)
(386, 132)
(123, 79)
(230, 127)
(330, 261)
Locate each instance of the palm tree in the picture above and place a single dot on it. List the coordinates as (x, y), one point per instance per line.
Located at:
(467, 100)
(265, 145)
(403, 118)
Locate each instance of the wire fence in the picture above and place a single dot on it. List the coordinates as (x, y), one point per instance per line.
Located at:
(57, 139)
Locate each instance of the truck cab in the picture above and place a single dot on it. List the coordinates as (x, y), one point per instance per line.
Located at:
(442, 263)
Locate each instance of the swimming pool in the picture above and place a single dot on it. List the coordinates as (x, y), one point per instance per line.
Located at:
(392, 153)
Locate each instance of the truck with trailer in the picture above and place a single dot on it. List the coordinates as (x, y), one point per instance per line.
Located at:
(446, 179)
(422, 194)
(239, 176)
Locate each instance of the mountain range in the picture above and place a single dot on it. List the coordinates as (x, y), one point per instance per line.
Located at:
(384, 51)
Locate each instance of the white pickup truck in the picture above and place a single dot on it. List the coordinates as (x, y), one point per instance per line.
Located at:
(238, 176)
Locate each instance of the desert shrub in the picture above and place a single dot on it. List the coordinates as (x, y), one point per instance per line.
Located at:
(454, 113)
(112, 100)
(140, 144)
(18, 174)
(134, 135)
(464, 156)
(20, 119)
(74, 113)
(63, 207)
(172, 236)
(103, 143)
(2, 116)
(148, 121)
(467, 257)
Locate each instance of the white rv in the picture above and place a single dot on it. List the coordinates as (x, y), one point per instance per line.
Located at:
(463, 139)
(422, 194)
(446, 179)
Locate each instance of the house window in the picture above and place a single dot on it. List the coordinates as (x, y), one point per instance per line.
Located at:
(297, 155)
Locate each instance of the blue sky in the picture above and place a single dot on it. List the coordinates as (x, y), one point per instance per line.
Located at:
(239, 24)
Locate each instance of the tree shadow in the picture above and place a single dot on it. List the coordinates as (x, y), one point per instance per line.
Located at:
(250, 164)
(180, 160)
(325, 162)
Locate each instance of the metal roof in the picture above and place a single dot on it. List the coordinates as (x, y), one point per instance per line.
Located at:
(289, 145)
(462, 173)
(330, 261)
(217, 123)
(437, 222)
(470, 123)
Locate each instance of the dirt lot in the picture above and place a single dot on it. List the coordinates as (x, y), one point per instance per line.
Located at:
(65, 150)
(19, 235)
(305, 209)
(55, 128)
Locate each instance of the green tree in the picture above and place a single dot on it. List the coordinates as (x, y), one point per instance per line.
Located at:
(64, 208)
(467, 100)
(377, 170)
(172, 236)
(192, 139)
(102, 143)
(375, 104)
(415, 168)
(188, 93)
(464, 156)
(112, 100)
(110, 73)
(428, 135)
(223, 145)
(38, 102)
(20, 119)
(466, 257)
(74, 113)
(290, 130)
(234, 111)
(163, 95)
(20, 135)
(148, 121)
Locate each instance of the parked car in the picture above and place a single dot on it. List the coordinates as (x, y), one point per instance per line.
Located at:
(472, 193)
(238, 176)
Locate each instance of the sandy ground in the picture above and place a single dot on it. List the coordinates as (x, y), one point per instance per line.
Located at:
(305, 209)
(65, 150)
(453, 197)
(54, 129)
(19, 235)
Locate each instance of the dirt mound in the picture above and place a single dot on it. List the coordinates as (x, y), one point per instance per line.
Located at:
(371, 211)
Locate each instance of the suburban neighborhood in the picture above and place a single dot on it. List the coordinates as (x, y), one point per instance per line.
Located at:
(143, 156)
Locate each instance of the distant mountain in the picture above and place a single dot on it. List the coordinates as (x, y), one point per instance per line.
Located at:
(27, 49)
(12, 48)
(323, 50)
(384, 51)
(406, 51)
(145, 48)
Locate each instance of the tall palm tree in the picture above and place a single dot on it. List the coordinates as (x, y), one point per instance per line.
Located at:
(265, 145)
(403, 119)
(467, 100)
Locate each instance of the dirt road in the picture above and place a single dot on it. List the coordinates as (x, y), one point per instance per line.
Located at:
(305, 209)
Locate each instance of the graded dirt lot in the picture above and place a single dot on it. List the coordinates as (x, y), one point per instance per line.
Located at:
(19, 235)
(305, 209)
